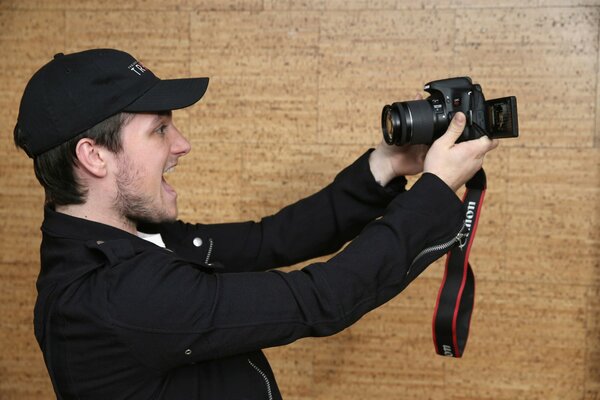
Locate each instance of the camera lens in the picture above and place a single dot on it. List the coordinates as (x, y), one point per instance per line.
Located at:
(410, 122)
(390, 121)
(389, 124)
(396, 124)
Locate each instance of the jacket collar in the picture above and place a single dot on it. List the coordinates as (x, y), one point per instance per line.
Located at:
(65, 226)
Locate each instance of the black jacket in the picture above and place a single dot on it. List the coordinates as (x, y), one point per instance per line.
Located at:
(118, 317)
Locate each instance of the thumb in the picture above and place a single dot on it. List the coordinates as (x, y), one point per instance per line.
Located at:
(455, 129)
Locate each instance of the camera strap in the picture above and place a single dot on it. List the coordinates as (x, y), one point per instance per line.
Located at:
(452, 315)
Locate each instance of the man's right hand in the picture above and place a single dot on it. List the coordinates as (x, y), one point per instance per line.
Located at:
(455, 163)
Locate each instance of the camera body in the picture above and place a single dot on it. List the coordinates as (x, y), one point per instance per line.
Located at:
(423, 121)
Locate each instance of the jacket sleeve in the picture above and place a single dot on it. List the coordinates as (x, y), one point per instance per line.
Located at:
(317, 225)
(171, 313)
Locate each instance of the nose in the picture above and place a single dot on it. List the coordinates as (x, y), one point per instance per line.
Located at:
(180, 146)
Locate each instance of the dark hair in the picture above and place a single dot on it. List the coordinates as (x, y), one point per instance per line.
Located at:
(54, 169)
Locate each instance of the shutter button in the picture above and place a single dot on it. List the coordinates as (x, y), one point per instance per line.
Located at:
(197, 242)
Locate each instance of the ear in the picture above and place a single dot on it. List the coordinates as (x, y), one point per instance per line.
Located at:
(91, 157)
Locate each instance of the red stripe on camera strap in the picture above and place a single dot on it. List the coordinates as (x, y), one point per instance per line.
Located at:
(454, 306)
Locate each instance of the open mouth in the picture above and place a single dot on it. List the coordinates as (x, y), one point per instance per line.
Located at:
(168, 188)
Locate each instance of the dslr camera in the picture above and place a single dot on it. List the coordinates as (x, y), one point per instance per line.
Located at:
(423, 121)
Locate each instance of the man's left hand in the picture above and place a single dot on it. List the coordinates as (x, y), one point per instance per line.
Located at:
(390, 161)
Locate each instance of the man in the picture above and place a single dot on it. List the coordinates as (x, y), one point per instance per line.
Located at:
(135, 304)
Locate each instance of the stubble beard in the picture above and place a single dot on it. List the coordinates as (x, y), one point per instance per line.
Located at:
(130, 203)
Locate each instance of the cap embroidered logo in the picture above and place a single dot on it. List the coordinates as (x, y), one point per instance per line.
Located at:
(137, 67)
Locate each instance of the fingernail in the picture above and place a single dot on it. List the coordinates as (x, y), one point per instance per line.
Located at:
(460, 117)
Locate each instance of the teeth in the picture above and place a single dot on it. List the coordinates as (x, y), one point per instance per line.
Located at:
(168, 170)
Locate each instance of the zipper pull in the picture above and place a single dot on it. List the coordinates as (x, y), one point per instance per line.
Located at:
(462, 239)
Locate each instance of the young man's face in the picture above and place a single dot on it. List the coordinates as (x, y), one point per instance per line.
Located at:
(151, 146)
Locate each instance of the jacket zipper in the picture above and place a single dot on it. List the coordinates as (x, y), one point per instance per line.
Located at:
(264, 376)
(460, 238)
(210, 249)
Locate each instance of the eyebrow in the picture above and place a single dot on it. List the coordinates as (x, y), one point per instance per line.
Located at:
(158, 116)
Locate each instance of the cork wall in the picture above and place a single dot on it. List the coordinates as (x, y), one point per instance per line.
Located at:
(295, 94)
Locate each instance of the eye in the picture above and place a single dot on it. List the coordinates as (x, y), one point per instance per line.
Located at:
(162, 129)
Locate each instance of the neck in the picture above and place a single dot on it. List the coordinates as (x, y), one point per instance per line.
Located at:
(104, 214)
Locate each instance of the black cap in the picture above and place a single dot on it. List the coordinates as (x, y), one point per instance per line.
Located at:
(74, 92)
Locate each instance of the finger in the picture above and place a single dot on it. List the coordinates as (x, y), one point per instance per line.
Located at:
(485, 145)
(455, 129)
(488, 144)
(495, 143)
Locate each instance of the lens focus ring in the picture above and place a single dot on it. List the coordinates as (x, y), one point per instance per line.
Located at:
(387, 124)
(392, 125)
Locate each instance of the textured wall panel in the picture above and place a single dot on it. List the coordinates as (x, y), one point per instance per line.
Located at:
(553, 195)
(526, 342)
(569, 3)
(295, 95)
(276, 176)
(96, 5)
(376, 5)
(597, 137)
(592, 371)
(548, 59)
(208, 182)
(263, 70)
(293, 368)
(27, 48)
(227, 5)
(160, 40)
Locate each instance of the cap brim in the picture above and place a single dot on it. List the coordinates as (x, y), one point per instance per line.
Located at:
(171, 94)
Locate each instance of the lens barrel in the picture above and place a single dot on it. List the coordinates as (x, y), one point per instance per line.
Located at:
(391, 124)
(408, 122)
